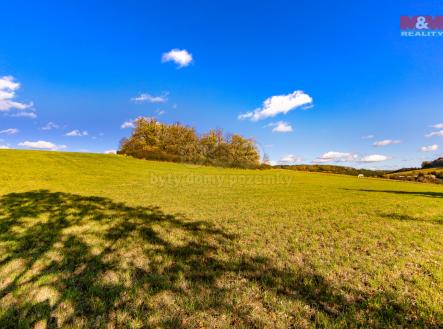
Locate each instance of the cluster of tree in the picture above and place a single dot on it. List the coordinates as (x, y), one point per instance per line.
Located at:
(438, 163)
(403, 170)
(437, 174)
(419, 176)
(154, 140)
(334, 170)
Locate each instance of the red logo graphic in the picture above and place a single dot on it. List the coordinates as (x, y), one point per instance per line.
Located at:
(421, 23)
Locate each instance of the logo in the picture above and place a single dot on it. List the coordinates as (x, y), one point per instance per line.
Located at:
(421, 26)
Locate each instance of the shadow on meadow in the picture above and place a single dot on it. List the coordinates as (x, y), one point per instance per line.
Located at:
(411, 193)
(77, 261)
(405, 217)
(408, 218)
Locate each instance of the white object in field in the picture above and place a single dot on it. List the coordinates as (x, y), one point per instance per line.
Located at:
(360, 176)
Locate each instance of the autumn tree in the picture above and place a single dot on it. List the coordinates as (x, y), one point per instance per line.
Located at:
(153, 140)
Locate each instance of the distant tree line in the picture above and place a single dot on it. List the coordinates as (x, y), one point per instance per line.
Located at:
(438, 163)
(153, 140)
(403, 170)
(334, 170)
(419, 176)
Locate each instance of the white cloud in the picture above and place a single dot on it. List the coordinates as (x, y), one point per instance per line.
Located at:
(30, 115)
(4, 147)
(8, 88)
(368, 137)
(275, 105)
(374, 158)
(42, 145)
(290, 158)
(334, 156)
(50, 125)
(280, 127)
(147, 98)
(386, 142)
(110, 152)
(76, 133)
(181, 57)
(127, 124)
(438, 126)
(130, 123)
(307, 107)
(429, 148)
(435, 133)
(10, 131)
(160, 112)
(8, 83)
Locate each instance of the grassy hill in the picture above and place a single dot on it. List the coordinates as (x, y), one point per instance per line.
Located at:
(89, 240)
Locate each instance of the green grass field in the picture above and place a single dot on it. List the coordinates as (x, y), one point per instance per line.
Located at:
(104, 241)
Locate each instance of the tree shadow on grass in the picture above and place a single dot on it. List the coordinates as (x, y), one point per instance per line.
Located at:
(77, 261)
(404, 217)
(408, 218)
(412, 193)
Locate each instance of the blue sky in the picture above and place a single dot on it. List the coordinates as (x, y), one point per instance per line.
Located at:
(341, 69)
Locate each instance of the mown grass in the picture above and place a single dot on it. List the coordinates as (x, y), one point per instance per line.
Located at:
(104, 241)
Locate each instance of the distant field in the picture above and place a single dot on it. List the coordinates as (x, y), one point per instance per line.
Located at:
(104, 241)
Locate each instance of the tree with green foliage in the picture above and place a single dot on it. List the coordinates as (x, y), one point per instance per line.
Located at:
(154, 140)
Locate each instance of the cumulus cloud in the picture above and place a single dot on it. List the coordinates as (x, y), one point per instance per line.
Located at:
(386, 142)
(278, 104)
(76, 133)
(4, 147)
(368, 137)
(334, 156)
(131, 122)
(290, 158)
(435, 133)
(181, 57)
(127, 124)
(429, 148)
(374, 158)
(148, 98)
(280, 127)
(50, 125)
(438, 126)
(10, 131)
(42, 145)
(110, 152)
(7, 83)
(8, 88)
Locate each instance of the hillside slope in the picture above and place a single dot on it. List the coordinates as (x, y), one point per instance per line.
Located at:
(90, 240)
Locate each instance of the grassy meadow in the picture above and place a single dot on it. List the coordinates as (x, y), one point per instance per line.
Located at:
(106, 241)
